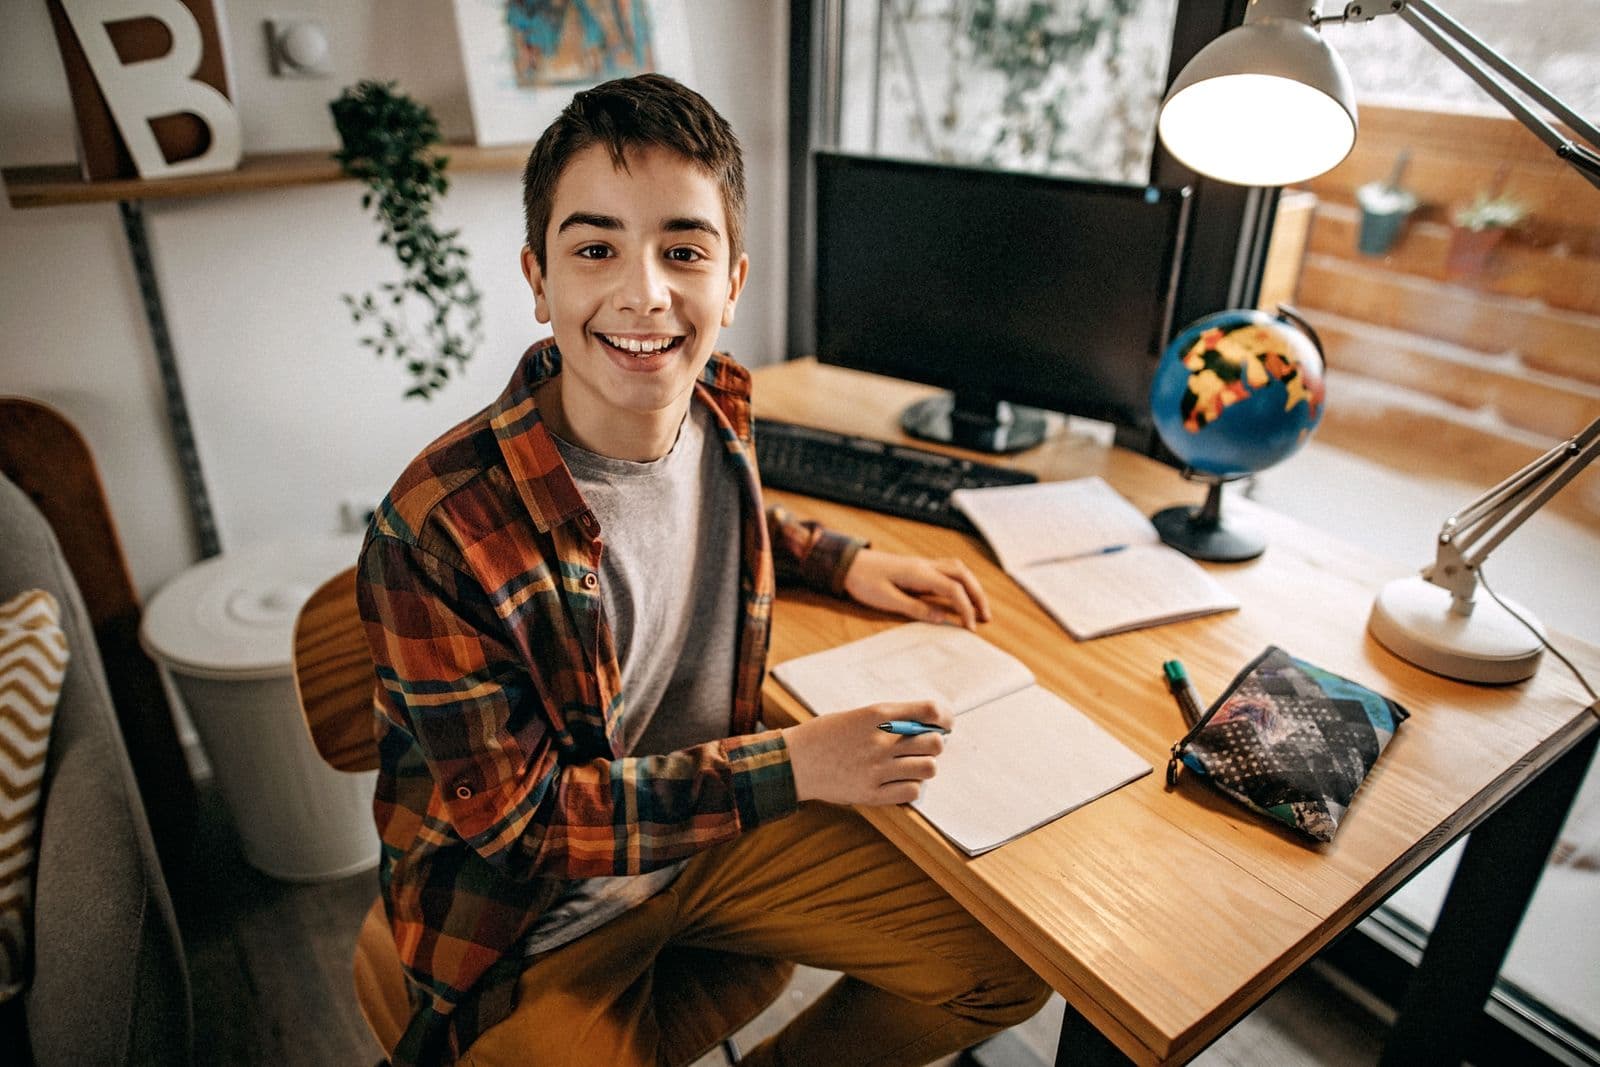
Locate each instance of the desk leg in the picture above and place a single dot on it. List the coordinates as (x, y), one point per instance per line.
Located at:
(1081, 1045)
(1500, 868)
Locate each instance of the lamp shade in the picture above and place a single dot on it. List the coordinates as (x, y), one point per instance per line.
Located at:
(1268, 103)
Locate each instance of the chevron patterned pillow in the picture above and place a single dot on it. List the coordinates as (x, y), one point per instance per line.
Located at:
(33, 660)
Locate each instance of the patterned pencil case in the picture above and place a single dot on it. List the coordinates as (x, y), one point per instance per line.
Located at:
(1290, 741)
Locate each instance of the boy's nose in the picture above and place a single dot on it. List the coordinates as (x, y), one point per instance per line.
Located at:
(643, 287)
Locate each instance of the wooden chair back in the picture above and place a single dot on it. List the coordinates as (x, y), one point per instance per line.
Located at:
(333, 675)
(333, 678)
(45, 456)
(379, 980)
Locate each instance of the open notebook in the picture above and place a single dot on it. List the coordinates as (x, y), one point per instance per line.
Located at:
(1089, 557)
(1019, 755)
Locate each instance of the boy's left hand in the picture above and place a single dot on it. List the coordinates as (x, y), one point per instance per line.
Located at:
(928, 590)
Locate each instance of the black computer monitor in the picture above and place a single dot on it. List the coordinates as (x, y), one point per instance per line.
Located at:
(1007, 289)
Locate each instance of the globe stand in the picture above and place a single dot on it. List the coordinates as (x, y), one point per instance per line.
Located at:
(1201, 533)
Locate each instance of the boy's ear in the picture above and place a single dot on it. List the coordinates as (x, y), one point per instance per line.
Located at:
(736, 279)
(531, 271)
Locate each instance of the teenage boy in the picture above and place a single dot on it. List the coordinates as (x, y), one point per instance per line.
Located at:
(568, 599)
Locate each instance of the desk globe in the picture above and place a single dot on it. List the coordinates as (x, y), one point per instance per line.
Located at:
(1235, 392)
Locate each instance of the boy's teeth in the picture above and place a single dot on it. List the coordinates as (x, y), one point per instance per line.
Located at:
(643, 347)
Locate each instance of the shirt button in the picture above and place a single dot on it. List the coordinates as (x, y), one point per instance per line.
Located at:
(463, 792)
(590, 581)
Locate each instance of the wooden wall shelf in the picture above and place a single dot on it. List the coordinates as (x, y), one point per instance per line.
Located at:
(50, 186)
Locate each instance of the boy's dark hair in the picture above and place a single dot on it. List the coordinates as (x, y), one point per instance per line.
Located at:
(649, 110)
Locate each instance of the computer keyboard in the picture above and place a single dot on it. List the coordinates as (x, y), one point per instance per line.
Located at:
(910, 482)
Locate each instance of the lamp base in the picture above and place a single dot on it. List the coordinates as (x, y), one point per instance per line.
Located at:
(1412, 618)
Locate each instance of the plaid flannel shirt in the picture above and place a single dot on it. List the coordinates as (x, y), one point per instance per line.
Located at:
(498, 697)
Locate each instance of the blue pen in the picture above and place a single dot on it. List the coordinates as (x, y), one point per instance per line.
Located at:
(907, 728)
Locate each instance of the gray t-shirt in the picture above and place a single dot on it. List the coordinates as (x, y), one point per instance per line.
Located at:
(669, 586)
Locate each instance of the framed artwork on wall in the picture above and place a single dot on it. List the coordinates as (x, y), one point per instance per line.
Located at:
(525, 58)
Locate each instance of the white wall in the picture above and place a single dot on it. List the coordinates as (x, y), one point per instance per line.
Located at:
(290, 414)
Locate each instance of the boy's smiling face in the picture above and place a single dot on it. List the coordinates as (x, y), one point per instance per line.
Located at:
(638, 282)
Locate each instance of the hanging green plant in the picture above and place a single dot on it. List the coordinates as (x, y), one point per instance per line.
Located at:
(388, 140)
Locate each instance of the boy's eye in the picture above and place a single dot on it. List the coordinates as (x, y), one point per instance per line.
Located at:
(685, 255)
(593, 252)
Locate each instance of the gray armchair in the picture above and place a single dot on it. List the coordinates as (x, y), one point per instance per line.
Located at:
(109, 984)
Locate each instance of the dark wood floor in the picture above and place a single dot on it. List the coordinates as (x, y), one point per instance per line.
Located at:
(269, 963)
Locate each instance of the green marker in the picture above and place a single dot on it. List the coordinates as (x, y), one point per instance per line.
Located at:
(1183, 690)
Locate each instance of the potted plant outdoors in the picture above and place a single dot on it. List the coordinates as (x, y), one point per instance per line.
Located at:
(430, 319)
(1385, 207)
(1478, 228)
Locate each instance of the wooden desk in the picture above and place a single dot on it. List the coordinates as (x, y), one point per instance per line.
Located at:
(1164, 916)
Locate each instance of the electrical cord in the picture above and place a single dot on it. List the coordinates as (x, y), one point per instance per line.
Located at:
(1554, 651)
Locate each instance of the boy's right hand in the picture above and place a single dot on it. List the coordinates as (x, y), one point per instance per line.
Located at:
(843, 758)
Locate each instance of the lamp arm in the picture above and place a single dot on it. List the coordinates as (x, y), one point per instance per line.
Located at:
(1469, 522)
(1580, 451)
(1578, 156)
(1487, 68)
(1414, 11)
(1501, 510)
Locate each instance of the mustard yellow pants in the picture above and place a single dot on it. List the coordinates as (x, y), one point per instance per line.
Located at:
(921, 977)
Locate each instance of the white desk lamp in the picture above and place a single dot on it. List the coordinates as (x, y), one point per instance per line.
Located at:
(1435, 621)
(1270, 103)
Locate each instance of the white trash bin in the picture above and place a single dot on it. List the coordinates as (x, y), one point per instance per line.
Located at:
(224, 630)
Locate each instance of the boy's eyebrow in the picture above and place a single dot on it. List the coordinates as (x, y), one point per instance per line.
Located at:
(691, 224)
(680, 224)
(584, 218)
